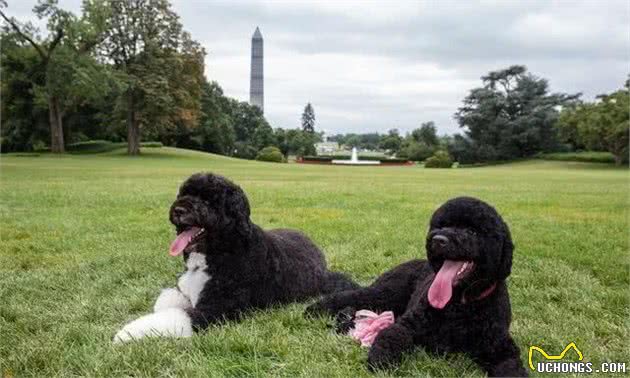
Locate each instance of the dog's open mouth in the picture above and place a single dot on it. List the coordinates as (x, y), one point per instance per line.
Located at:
(446, 278)
(184, 238)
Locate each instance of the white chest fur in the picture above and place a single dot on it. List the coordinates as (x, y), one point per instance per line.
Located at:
(194, 279)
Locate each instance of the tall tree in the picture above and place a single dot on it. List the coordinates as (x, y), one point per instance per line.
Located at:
(308, 119)
(45, 47)
(246, 119)
(512, 115)
(601, 125)
(161, 65)
(215, 126)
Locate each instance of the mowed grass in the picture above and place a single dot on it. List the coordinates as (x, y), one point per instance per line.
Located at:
(84, 244)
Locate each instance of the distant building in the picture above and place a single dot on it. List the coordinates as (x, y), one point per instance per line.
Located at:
(256, 82)
(326, 148)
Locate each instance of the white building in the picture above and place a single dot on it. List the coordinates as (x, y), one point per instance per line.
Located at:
(326, 148)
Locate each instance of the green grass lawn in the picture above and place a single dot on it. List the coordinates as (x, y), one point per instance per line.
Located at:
(84, 243)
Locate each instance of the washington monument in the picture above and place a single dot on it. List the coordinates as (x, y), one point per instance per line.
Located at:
(256, 82)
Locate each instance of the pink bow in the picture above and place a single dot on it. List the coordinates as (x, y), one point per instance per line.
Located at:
(368, 324)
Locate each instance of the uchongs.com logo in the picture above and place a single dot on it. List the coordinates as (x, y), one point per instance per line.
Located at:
(558, 364)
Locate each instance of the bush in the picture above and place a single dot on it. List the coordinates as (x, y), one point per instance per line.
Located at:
(39, 146)
(583, 156)
(100, 146)
(244, 150)
(394, 161)
(271, 154)
(77, 137)
(93, 147)
(418, 151)
(320, 158)
(441, 159)
(151, 144)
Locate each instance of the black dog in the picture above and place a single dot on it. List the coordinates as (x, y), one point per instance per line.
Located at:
(457, 301)
(232, 265)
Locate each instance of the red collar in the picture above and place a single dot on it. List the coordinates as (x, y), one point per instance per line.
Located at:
(483, 295)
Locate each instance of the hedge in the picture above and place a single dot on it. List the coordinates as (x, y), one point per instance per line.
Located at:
(328, 158)
(100, 146)
(582, 156)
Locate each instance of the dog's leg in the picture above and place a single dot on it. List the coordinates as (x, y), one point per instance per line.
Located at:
(501, 358)
(171, 298)
(216, 306)
(170, 322)
(389, 346)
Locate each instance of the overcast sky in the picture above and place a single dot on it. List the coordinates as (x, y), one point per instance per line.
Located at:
(372, 66)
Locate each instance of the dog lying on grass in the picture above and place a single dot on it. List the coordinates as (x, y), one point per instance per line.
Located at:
(232, 265)
(457, 301)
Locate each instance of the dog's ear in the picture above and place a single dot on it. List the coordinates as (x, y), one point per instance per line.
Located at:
(237, 208)
(504, 267)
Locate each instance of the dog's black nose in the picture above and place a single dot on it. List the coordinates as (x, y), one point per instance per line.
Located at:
(439, 241)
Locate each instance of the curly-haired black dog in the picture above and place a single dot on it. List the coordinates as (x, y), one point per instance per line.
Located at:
(232, 265)
(457, 301)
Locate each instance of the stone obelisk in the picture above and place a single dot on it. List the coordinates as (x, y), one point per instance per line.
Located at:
(256, 82)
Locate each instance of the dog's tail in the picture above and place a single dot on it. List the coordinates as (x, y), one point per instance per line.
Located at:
(336, 281)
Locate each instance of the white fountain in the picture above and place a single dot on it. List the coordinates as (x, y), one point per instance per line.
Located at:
(354, 160)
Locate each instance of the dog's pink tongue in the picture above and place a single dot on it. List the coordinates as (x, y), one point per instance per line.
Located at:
(179, 244)
(442, 287)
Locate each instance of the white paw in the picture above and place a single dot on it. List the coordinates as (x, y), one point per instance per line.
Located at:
(171, 298)
(170, 322)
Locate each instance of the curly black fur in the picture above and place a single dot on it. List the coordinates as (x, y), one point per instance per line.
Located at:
(249, 267)
(477, 318)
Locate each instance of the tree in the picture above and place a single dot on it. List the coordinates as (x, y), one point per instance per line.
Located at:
(296, 142)
(308, 119)
(417, 151)
(421, 144)
(246, 119)
(24, 125)
(58, 21)
(604, 124)
(352, 140)
(512, 115)
(216, 130)
(392, 141)
(263, 136)
(427, 134)
(161, 65)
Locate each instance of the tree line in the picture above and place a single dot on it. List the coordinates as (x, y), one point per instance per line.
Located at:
(128, 71)
(122, 71)
(513, 115)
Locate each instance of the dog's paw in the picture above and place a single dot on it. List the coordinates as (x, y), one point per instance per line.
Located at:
(170, 322)
(344, 320)
(388, 347)
(508, 368)
(171, 298)
(379, 359)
